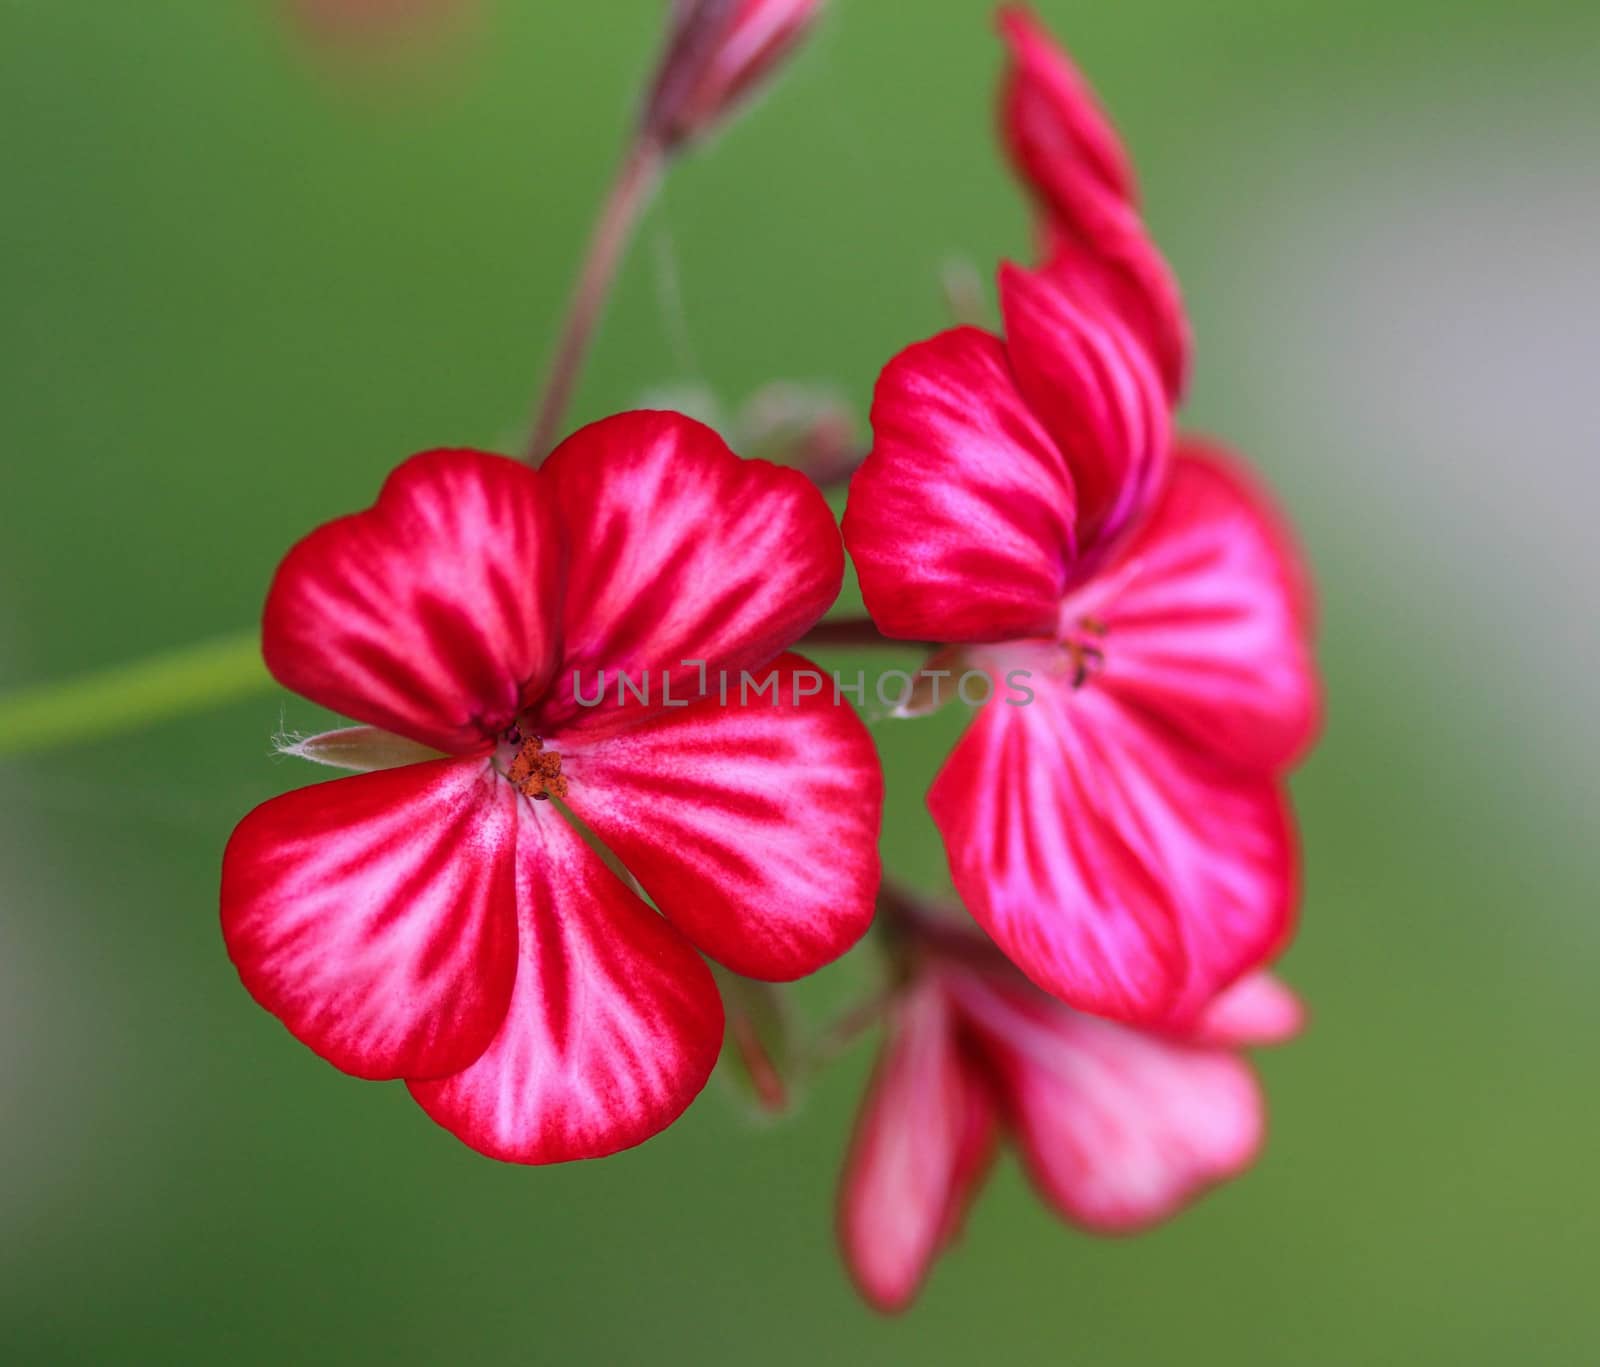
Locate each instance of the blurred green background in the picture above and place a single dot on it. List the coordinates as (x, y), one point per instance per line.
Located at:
(239, 282)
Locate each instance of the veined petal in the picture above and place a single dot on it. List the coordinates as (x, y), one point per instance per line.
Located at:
(436, 612)
(1058, 136)
(753, 824)
(1123, 871)
(1118, 1129)
(1057, 886)
(1209, 628)
(921, 1144)
(614, 1023)
(1066, 151)
(375, 916)
(1125, 273)
(960, 521)
(681, 551)
(1097, 392)
(1255, 1011)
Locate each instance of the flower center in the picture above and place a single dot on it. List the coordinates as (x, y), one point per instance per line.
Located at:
(534, 771)
(1082, 626)
(1085, 652)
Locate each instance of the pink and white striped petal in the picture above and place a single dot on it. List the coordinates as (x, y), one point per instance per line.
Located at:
(1117, 1129)
(752, 825)
(681, 552)
(1095, 388)
(614, 1023)
(1123, 272)
(1123, 871)
(961, 520)
(1210, 626)
(435, 613)
(1068, 154)
(921, 1145)
(375, 916)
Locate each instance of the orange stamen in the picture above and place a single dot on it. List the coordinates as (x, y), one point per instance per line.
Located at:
(536, 772)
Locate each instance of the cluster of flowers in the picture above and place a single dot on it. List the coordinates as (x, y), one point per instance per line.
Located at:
(470, 914)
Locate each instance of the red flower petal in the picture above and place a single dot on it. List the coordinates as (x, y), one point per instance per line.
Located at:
(614, 1024)
(682, 551)
(1124, 273)
(1117, 1129)
(1255, 1011)
(1095, 389)
(1066, 151)
(1059, 138)
(980, 1138)
(1208, 630)
(376, 916)
(1124, 872)
(921, 1144)
(753, 827)
(434, 613)
(960, 521)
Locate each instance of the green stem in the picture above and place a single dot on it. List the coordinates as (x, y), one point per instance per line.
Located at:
(126, 697)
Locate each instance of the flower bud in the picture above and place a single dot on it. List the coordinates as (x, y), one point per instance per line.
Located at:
(809, 427)
(718, 53)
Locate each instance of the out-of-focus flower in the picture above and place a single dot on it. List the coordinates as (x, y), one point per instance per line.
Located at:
(810, 427)
(358, 21)
(1119, 824)
(719, 53)
(1068, 154)
(1117, 1128)
(447, 922)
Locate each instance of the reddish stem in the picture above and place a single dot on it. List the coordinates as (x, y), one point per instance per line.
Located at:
(854, 631)
(906, 916)
(764, 1077)
(630, 192)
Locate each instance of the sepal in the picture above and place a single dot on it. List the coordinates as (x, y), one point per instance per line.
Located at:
(358, 749)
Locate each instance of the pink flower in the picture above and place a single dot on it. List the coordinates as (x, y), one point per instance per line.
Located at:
(1124, 836)
(1069, 155)
(719, 53)
(438, 922)
(1117, 1129)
